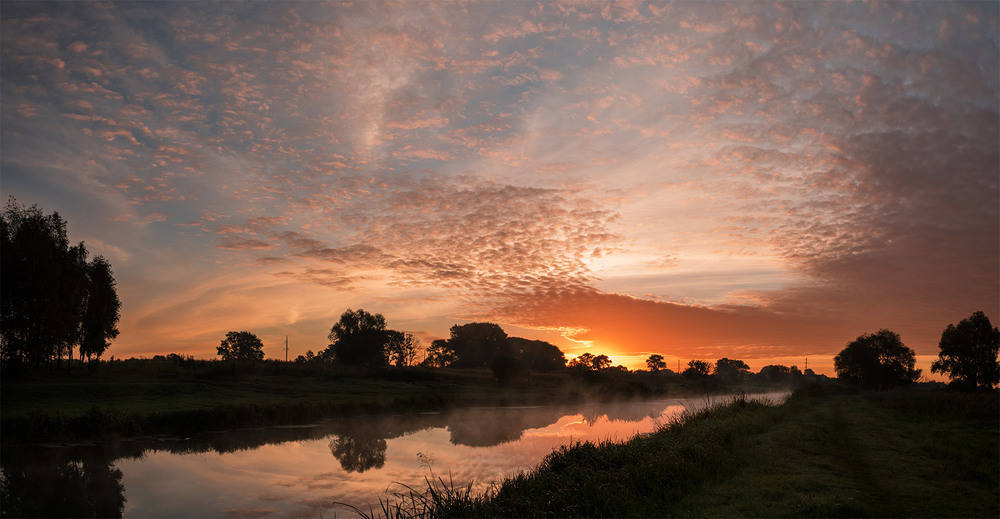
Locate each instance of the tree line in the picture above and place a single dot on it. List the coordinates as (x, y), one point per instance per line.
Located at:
(54, 299)
(363, 338)
(731, 370)
(880, 360)
(877, 361)
(967, 355)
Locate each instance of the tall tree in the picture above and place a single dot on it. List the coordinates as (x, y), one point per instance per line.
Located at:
(969, 353)
(43, 281)
(655, 363)
(583, 361)
(730, 369)
(102, 310)
(776, 373)
(241, 346)
(697, 369)
(401, 348)
(536, 355)
(359, 337)
(878, 361)
(439, 355)
(601, 361)
(590, 362)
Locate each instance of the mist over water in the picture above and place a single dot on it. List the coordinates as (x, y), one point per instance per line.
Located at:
(304, 471)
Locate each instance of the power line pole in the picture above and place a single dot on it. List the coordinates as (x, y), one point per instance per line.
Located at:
(286, 348)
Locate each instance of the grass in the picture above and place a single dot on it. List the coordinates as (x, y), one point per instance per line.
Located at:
(867, 456)
(827, 452)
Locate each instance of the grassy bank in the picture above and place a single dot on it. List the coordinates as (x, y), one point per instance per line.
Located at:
(846, 454)
(135, 398)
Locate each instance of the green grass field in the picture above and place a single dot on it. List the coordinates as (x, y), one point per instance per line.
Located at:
(826, 453)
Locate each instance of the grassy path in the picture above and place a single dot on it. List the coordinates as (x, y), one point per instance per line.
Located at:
(840, 455)
(857, 456)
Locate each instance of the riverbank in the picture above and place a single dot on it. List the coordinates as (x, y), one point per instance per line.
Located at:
(827, 452)
(128, 399)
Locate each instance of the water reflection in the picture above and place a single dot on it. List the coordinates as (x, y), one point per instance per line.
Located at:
(286, 471)
(42, 483)
(360, 450)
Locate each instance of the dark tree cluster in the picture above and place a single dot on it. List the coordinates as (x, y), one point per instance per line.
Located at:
(590, 362)
(969, 354)
(363, 338)
(697, 369)
(360, 338)
(731, 370)
(241, 346)
(477, 345)
(486, 345)
(877, 361)
(54, 300)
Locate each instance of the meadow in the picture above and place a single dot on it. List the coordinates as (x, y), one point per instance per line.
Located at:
(827, 452)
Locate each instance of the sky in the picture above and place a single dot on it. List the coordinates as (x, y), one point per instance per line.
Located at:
(751, 180)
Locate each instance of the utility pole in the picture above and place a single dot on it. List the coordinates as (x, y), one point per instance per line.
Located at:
(286, 348)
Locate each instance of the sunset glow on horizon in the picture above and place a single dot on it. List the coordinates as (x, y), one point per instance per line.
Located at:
(758, 181)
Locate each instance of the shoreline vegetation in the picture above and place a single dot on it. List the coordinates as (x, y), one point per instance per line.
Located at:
(144, 397)
(832, 450)
(829, 451)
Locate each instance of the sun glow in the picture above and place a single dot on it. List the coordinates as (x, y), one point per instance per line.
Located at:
(673, 199)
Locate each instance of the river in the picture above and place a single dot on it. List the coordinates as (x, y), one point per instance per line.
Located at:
(311, 470)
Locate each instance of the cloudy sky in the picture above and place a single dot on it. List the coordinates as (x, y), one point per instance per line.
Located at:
(763, 181)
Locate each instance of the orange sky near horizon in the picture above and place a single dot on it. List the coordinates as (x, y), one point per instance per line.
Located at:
(763, 181)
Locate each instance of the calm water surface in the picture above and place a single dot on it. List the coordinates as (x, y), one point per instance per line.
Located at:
(305, 471)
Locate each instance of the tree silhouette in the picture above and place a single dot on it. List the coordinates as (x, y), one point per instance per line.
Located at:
(439, 355)
(878, 361)
(401, 348)
(87, 488)
(697, 369)
(477, 344)
(359, 452)
(775, 373)
(655, 363)
(590, 362)
(537, 355)
(969, 353)
(359, 337)
(730, 369)
(508, 370)
(583, 361)
(46, 286)
(241, 346)
(103, 309)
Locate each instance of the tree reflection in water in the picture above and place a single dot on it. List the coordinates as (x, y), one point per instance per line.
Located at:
(43, 488)
(359, 454)
(84, 481)
(361, 446)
